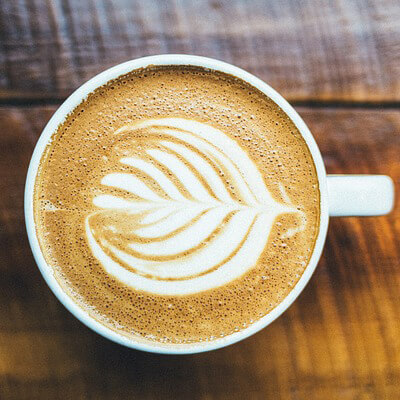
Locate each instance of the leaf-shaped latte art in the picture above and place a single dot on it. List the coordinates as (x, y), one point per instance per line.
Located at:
(193, 211)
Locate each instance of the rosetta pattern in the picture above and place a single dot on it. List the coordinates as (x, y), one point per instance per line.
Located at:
(203, 221)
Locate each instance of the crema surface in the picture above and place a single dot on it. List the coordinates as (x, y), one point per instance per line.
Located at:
(177, 204)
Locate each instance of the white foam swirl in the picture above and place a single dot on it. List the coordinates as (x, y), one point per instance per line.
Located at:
(204, 220)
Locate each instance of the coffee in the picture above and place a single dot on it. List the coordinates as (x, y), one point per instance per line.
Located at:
(177, 204)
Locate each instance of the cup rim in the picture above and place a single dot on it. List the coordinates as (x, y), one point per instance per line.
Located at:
(74, 100)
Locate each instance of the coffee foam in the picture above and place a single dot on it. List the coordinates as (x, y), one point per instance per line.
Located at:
(159, 177)
(204, 238)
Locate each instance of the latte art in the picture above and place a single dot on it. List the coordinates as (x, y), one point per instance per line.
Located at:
(196, 233)
(177, 204)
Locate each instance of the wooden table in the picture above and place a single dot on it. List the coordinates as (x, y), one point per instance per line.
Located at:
(338, 62)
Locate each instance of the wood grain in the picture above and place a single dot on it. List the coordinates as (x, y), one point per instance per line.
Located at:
(309, 50)
(340, 339)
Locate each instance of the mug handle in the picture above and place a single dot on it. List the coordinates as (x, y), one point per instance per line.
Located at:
(360, 195)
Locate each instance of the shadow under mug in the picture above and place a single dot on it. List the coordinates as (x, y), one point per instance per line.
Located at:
(341, 195)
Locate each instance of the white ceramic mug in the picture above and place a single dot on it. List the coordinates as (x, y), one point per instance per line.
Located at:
(341, 195)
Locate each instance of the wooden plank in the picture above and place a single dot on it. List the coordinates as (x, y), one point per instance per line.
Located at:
(308, 50)
(340, 340)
